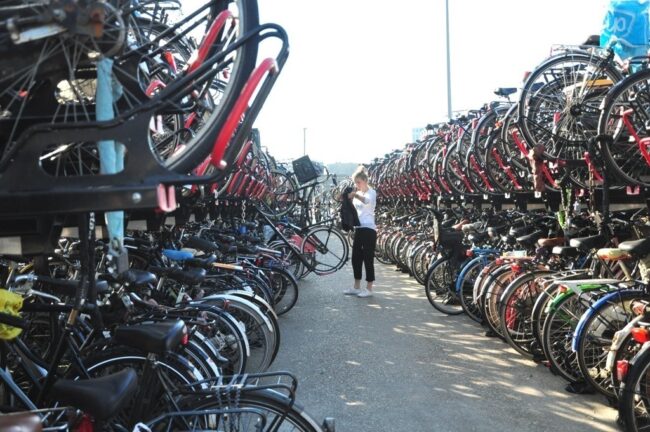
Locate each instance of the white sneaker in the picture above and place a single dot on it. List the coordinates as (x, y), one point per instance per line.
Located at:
(365, 293)
(351, 291)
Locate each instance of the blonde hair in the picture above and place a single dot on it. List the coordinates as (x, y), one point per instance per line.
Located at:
(360, 174)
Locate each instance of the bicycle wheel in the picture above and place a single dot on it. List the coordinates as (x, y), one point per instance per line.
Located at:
(556, 336)
(439, 287)
(634, 405)
(56, 84)
(281, 413)
(177, 373)
(224, 88)
(624, 118)
(257, 326)
(559, 104)
(466, 295)
(290, 257)
(326, 249)
(492, 303)
(544, 299)
(516, 312)
(270, 314)
(282, 196)
(595, 335)
(285, 290)
(627, 350)
(420, 262)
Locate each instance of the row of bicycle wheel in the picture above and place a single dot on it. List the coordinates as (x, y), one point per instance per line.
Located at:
(568, 297)
(183, 339)
(579, 121)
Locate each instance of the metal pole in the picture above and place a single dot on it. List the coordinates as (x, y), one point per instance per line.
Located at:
(448, 61)
(304, 141)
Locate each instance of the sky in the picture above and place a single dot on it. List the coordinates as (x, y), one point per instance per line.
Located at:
(362, 74)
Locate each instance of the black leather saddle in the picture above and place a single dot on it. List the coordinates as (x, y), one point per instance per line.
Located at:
(156, 338)
(101, 397)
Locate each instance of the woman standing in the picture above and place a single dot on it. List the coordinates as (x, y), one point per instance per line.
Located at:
(364, 199)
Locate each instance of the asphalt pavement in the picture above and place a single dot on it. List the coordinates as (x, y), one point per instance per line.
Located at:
(392, 363)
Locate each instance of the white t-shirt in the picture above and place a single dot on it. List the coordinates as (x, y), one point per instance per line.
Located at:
(366, 208)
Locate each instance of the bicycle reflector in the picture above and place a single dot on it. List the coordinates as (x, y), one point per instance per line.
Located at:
(498, 261)
(563, 289)
(622, 367)
(469, 253)
(186, 336)
(641, 334)
(515, 268)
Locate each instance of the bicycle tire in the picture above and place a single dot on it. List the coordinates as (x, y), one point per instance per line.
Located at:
(439, 287)
(530, 91)
(283, 195)
(179, 371)
(557, 347)
(190, 159)
(280, 410)
(513, 307)
(614, 162)
(285, 290)
(635, 397)
(593, 350)
(314, 246)
(471, 308)
(258, 328)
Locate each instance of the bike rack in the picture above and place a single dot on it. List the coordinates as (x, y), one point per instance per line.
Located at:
(29, 204)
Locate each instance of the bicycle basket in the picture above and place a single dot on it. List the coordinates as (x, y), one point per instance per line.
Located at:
(304, 170)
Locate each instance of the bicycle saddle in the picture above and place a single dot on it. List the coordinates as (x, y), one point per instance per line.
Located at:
(495, 231)
(201, 244)
(247, 249)
(176, 255)
(530, 239)
(638, 248)
(193, 276)
(565, 251)
(156, 338)
(466, 227)
(505, 91)
(550, 242)
(613, 254)
(478, 237)
(201, 262)
(100, 397)
(586, 244)
(69, 287)
(20, 422)
(229, 239)
(521, 231)
(133, 277)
